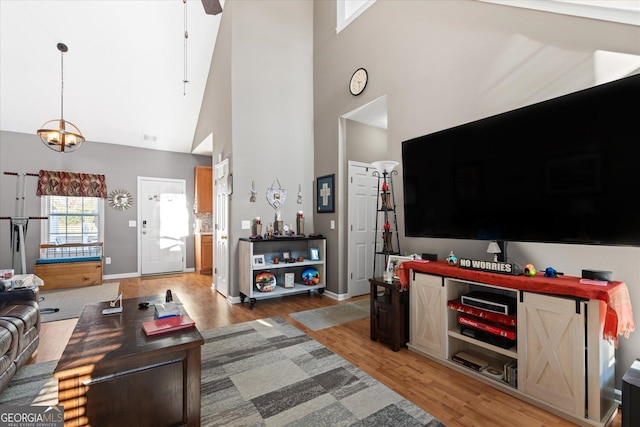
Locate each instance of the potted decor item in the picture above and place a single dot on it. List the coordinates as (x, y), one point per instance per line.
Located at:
(257, 223)
(387, 235)
(385, 196)
(300, 224)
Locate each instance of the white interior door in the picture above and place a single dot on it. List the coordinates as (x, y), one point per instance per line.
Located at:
(221, 260)
(362, 213)
(163, 223)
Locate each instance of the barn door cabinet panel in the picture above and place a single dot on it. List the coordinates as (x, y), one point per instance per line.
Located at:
(427, 315)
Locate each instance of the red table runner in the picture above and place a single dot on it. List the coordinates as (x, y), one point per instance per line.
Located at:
(619, 316)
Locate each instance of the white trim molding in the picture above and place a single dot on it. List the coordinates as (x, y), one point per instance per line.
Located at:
(621, 11)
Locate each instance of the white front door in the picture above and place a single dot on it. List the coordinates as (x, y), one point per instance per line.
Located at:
(163, 221)
(362, 214)
(221, 260)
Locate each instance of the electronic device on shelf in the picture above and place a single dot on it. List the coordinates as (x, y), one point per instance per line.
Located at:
(470, 360)
(487, 337)
(496, 303)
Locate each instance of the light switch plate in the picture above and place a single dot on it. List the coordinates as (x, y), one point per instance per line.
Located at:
(132, 223)
(246, 225)
(333, 225)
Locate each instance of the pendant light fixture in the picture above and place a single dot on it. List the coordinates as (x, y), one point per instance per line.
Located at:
(61, 135)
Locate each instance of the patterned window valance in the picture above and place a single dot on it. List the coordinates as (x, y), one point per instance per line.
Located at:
(59, 183)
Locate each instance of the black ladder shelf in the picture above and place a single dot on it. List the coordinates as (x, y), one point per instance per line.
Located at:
(385, 214)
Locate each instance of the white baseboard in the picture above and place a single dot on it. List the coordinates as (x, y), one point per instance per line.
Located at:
(135, 274)
(120, 276)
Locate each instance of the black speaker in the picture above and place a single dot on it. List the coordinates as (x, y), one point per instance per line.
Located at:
(603, 275)
(631, 396)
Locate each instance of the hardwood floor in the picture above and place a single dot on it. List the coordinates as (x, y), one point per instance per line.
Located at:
(454, 398)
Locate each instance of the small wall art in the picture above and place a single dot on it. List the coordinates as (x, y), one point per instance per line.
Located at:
(276, 196)
(325, 194)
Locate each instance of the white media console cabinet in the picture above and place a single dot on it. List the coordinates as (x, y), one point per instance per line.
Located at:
(559, 361)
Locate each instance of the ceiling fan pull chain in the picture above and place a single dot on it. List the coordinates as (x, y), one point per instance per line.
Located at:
(186, 36)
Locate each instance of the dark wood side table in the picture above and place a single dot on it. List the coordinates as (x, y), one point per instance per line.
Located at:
(389, 313)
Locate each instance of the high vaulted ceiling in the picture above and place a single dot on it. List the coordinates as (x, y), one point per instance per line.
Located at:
(123, 72)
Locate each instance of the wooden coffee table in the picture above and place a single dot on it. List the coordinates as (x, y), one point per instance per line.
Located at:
(111, 373)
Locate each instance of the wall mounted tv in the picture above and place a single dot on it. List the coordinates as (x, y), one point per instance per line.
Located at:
(566, 170)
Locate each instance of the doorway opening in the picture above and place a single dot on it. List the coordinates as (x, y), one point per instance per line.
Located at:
(363, 138)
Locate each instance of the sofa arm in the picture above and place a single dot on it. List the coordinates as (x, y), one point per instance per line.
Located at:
(26, 294)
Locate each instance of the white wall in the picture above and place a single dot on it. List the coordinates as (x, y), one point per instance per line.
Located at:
(272, 112)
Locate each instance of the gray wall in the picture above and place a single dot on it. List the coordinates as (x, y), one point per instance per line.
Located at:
(215, 112)
(121, 165)
(444, 63)
(365, 143)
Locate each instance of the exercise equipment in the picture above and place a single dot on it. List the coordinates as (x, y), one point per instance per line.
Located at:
(19, 222)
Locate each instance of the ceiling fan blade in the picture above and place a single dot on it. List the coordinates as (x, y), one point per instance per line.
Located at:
(212, 7)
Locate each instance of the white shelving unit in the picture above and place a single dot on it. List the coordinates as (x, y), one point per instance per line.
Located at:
(272, 248)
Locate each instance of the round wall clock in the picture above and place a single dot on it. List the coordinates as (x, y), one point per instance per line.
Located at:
(120, 199)
(358, 81)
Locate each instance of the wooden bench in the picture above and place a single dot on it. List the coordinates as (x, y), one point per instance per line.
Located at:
(69, 265)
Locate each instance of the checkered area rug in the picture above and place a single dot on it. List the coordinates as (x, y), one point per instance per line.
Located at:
(269, 373)
(265, 373)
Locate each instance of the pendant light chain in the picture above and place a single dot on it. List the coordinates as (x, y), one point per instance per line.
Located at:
(62, 87)
(186, 37)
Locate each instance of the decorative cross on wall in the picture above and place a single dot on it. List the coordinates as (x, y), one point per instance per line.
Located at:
(325, 192)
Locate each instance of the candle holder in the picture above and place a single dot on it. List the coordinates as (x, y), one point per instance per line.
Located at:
(386, 201)
(387, 238)
(278, 227)
(300, 226)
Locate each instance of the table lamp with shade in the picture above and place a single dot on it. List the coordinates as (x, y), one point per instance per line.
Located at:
(494, 249)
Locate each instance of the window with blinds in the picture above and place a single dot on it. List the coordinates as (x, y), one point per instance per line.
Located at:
(72, 219)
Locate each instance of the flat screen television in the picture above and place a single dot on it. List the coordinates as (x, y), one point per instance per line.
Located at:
(566, 170)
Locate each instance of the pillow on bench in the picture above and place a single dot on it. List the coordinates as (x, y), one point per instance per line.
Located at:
(68, 259)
